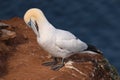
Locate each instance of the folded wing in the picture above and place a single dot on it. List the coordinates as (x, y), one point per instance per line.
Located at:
(66, 40)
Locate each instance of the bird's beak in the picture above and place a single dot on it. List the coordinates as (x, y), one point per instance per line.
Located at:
(30, 23)
(33, 25)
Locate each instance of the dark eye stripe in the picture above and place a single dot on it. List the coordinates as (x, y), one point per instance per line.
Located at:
(36, 25)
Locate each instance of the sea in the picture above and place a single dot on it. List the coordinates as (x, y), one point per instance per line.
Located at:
(96, 22)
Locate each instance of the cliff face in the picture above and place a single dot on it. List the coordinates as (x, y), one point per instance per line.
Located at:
(21, 58)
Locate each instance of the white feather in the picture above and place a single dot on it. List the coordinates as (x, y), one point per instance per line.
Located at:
(68, 41)
(59, 43)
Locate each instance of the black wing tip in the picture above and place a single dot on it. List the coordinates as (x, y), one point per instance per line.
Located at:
(94, 49)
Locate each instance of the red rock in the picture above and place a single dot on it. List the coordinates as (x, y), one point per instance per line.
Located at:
(26, 57)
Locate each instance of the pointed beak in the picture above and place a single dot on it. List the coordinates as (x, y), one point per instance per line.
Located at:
(30, 23)
(33, 25)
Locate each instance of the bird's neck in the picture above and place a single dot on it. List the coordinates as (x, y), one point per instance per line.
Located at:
(45, 27)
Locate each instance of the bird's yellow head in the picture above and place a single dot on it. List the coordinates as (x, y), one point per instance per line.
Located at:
(33, 17)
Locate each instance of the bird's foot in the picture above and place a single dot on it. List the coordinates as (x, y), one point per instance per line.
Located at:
(57, 67)
(49, 63)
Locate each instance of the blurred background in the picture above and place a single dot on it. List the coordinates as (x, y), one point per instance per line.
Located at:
(94, 21)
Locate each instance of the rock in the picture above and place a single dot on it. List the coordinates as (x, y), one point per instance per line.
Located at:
(25, 62)
(4, 49)
(7, 34)
(6, 31)
(3, 56)
(3, 25)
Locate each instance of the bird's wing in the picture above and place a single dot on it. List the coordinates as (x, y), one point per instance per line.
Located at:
(66, 40)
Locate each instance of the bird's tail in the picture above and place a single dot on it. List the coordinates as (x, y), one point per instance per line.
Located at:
(93, 49)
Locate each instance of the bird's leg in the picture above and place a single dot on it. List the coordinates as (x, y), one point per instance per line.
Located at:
(51, 63)
(58, 66)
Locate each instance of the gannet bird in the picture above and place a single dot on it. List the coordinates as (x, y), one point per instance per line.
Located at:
(57, 42)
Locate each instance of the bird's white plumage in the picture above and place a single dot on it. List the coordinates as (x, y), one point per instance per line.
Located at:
(68, 41)
(59, 43)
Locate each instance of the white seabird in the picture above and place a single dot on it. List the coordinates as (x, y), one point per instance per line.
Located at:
(59, 43)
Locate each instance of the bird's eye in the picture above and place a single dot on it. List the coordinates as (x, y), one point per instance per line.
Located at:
(36, 25)
(29, 23)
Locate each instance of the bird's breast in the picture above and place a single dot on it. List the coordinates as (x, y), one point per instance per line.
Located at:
(46, 43)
